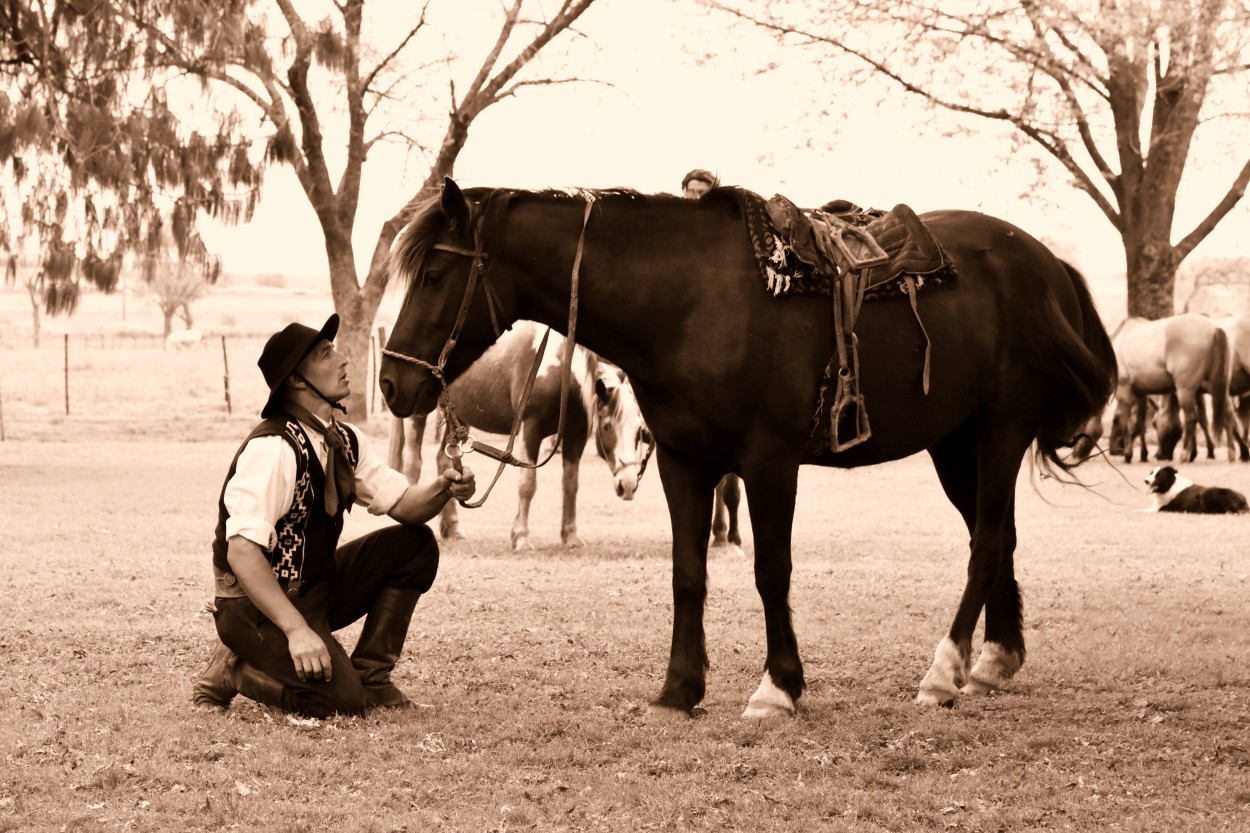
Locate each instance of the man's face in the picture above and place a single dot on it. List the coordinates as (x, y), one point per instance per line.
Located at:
(696, 188)
(326, 369)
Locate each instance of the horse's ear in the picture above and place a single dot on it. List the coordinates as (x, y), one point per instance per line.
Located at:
(455, 208)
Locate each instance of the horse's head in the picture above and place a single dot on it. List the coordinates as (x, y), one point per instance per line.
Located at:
(621, 434)
(451, 312)
(1088, 438)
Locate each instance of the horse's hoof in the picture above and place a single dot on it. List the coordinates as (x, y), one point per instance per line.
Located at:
(573, 542)
(666, 714)
(976, 687)
(521, 544)
(766, 711)
(993, 670)
(451, 534)
(937, 697)
(769, 701)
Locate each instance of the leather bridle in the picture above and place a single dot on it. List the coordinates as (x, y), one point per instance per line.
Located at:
(459, 441)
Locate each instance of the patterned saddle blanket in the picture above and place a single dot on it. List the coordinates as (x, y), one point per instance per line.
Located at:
(791, 247)
(850, 255)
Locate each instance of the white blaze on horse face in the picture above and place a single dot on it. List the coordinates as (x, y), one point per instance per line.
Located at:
(621, 433)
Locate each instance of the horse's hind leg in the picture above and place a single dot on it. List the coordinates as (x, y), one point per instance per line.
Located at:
(725, 515)
(571, 454)
(980, 482)
(527, 486)
(772, 523)
(1194, 415)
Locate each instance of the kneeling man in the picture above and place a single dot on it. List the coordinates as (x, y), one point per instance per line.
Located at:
(283, 583)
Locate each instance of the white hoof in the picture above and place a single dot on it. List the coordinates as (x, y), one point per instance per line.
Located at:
(947, 674)
(993, 671)
(769, 701)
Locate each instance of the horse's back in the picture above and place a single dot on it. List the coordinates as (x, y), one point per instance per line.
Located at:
(487, 394)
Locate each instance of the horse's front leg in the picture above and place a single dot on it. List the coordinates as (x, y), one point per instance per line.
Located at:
(772, 522)
(688, 492)
(527, 486)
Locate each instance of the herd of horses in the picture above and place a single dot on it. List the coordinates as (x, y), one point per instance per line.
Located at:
(1010, 359)
(1168, 369)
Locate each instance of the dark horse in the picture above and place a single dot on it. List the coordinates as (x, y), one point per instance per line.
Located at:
(728, 379)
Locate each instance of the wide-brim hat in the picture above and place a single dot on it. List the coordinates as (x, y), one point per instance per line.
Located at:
(284, 351)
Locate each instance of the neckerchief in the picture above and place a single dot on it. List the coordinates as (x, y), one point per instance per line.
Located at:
(340, 476)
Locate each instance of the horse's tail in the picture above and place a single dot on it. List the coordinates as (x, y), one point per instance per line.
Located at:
(1079, 368)
(1217, 381)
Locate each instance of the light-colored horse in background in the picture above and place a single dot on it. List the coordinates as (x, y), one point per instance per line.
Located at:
(486, 397)
(1237, 328)
(1182, 356)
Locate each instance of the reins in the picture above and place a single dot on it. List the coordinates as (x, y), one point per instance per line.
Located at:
(459, 441)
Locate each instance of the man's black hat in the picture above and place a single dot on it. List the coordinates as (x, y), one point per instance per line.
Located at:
(700, 174)
(284, 351)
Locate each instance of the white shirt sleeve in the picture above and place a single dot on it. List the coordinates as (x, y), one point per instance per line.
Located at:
(261, 490)
(378, 486)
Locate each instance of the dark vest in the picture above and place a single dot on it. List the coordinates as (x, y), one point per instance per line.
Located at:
(307, 535)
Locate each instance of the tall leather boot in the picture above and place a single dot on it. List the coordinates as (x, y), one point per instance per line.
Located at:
(215, 687)
(227, 676)
(380, 644)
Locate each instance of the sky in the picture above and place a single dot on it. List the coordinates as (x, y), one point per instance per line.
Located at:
(663, 107)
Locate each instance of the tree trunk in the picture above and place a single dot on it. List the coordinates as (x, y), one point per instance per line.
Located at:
(1151, 277)
(357, 308)
(169, 322)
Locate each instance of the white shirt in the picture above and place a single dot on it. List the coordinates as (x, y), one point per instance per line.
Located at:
(263, 486)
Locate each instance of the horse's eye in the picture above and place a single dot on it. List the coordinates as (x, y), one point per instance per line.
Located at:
(432, 277)
(644, 436)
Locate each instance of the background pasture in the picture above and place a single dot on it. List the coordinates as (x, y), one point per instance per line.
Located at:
(534, 670)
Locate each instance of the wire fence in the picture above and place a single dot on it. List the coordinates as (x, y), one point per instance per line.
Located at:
(135, 383)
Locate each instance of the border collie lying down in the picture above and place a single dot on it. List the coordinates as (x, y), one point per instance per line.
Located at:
(1173, 493)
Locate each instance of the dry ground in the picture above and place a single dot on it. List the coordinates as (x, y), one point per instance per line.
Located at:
(534, 670)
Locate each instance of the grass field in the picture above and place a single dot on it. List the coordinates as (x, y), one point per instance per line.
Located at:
(533, 670)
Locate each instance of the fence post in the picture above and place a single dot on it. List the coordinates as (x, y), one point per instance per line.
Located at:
(67, 374)
(225, 366)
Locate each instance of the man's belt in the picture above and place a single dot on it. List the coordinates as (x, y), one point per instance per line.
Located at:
(228, 587)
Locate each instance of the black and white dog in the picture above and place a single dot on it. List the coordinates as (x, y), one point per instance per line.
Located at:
(1173, 493)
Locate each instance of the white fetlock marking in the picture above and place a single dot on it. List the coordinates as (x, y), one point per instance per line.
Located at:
(941, 684)
(995, 667)
(769, 701)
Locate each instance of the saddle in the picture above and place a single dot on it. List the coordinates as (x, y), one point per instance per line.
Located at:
(866, 254)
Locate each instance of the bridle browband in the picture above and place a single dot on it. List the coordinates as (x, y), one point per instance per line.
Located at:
(459, 442)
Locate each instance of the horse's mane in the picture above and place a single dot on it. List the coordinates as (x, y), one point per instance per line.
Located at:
(488, 207)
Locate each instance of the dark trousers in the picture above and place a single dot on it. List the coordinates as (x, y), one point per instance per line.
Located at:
(399, 557)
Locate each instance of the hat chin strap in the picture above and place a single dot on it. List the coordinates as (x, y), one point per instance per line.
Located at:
(323, 397)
